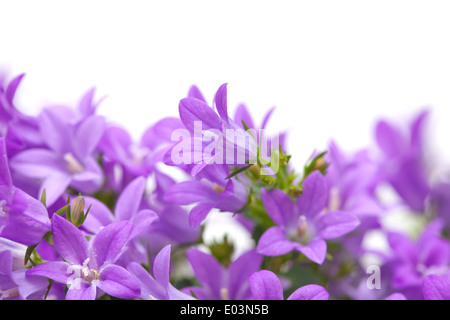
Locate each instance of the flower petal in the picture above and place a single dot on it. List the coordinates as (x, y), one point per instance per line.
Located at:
(265, 285)
(221, 102)
(109, 242)
(130, 199)
(84, 292)
(69, 241)
(58, 271)
(279, 206)
(435, 287)
(273, 242)
(315, 250)
(334, 224)
(239, 271)
(315, 195)
(192, 110)
(118, 282)
(310, 292)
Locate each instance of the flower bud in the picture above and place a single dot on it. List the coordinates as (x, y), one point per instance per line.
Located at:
(77, 209)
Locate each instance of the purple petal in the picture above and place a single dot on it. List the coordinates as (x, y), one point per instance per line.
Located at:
(315, 250)
(279, 206)
(130, 199)
(273, 242)
(58, 271)
(54, 187)
(118, 282)
(207, 271)
(315, 195)
(12, 87)
(199, 213)
(389, 139)
(37, 163)
(84, 292)
(242, 114)
(192, 109)
(99, 215)
(161, 267)
(221, 102)
(109, 242)
(194, 92)
(417, 130)
(435, 287)
(267, 117)
(5, 175)
(239, 271)
(142, 221)
(396, 296)
(310, 292)
(150, 288)
(187, 192)
(69, 241)
(334, 224)
(55, 132)
(265, 285)
(88, 135)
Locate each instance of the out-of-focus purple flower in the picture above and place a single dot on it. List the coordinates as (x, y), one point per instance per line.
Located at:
(70, 157)
(89, 265)
(210, 190)
(14, 284)
(20, 131)
(440, 202)
(265, 285)
(436, 287)
(303, 226)
(22, 218)
(218, 282)
(157, 286)
(402, 163)
(396, 296)
(412, 261)
(127, 208)
(125, 159)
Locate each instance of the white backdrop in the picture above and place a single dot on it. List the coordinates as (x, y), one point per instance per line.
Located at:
(331, 67)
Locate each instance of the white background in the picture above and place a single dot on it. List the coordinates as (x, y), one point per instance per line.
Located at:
(330, 67)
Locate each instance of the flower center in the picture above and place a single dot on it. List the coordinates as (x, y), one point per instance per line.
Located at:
(224, 294)
(89, 274)
(138, 154)
(302, 226)
(4, 210)
(217, 188)
(9, 293)
(72, 163)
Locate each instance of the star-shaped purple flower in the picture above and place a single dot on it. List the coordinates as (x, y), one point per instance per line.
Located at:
(303, 226)
(89, 266)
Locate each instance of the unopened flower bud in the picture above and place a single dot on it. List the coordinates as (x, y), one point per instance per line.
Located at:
(77, 209)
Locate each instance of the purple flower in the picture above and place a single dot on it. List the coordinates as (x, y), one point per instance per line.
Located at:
(210, 190)
(218, 282)
(125, 159)
(70, 157)
(89, 265)
(303, 226)
(436, 287)
(20, 131)
(402, 163)
(411, 261)
(440, 201)
(22, 218)
(157, 287)
(265, 285)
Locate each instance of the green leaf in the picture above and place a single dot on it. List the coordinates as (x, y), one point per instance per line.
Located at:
(237, 171)
(44, 198)
(29, 252)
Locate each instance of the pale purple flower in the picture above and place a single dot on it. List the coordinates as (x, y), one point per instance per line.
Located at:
(125, 159)
(210, 190)
(70, 157)
(303, 226)
(402, 163)
(20, 131)
(218, 282)
(22, 218)
(412, 261)
(436, 287)
(156, 286)
(89, 266)
(265, 285)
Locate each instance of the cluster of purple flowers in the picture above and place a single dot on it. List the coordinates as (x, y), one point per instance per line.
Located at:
(88, 213)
